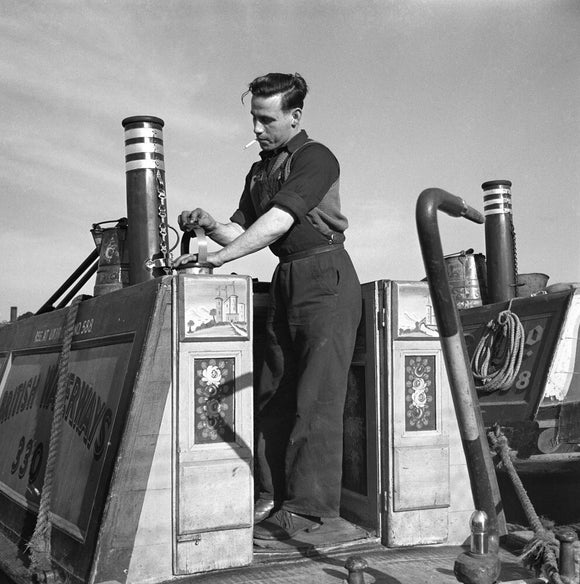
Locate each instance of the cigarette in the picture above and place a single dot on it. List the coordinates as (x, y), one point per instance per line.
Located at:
(249, 144)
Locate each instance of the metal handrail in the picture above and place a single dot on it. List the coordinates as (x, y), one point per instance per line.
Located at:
(92, 258)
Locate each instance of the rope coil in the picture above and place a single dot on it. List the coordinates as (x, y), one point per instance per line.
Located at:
(498, 356)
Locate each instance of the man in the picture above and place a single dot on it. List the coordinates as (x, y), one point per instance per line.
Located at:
(291, 203)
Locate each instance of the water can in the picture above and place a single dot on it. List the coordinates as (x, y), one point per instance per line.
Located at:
(199, 265)
(466, 273)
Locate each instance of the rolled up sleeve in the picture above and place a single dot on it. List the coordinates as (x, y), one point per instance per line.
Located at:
(314, 169)
(245, 214)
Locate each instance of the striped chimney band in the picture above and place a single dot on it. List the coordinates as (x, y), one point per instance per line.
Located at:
(144, 143)
(497, 197)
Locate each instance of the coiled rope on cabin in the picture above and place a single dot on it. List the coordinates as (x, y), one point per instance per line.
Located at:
(40, 544)
(540, 552)
(498, 356)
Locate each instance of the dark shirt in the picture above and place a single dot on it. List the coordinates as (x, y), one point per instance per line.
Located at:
(309, 192)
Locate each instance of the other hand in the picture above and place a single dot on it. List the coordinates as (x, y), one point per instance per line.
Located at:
(212, 259)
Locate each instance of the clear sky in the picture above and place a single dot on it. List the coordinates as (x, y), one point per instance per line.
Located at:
(408, 94)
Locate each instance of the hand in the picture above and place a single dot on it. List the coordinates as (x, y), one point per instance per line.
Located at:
(212, 259)
(188, 220)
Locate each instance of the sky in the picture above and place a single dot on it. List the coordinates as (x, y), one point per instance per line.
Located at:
(408, 94)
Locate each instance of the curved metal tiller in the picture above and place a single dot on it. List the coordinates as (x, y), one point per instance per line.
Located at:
(480, 466)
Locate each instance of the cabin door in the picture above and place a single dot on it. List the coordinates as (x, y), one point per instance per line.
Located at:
(402, 450)
(213, 484)
(361, 489)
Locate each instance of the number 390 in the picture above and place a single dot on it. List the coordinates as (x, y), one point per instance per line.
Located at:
(28, 458)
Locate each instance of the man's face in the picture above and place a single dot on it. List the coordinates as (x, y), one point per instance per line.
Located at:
(272, 126)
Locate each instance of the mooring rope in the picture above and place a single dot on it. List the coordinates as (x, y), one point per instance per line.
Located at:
(541, 551)
(498, 356)
(40, 545)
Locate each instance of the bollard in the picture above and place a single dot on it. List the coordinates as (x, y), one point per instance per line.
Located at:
(479, 543)
(356, 567)
(567, 538)
(478, 565)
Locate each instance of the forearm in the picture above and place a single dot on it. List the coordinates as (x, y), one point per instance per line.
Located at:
(225, 233)
(266, 230)
(221, 233)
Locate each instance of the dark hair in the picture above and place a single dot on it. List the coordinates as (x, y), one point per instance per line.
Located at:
(292, 87)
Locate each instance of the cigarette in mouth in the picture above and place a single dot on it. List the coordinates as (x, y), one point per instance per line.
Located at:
(249, 144)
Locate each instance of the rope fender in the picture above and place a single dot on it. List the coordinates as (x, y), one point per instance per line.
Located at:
(40, 542)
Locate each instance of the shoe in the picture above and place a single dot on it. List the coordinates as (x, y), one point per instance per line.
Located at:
(262, 509)
(284, 525)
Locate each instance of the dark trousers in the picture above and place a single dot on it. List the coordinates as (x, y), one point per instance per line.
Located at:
(315, 309)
